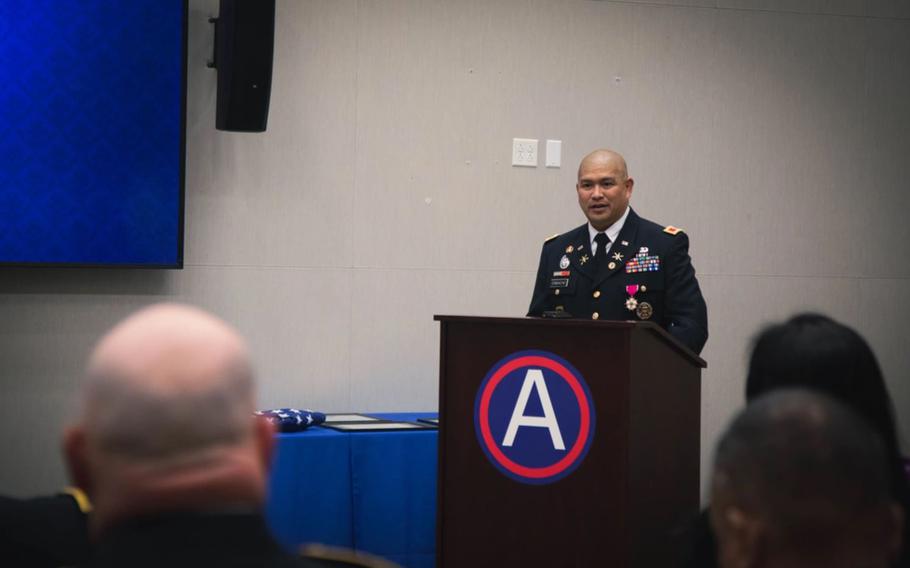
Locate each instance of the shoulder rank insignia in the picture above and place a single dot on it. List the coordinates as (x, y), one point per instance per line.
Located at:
(671, 230)
(550, 238)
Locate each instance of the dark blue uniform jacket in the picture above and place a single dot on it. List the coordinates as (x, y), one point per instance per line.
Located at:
(644, 255)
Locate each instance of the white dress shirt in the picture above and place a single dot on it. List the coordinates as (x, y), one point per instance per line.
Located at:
(612, 232)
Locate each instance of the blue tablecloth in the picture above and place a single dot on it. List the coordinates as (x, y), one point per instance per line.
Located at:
(370, 491)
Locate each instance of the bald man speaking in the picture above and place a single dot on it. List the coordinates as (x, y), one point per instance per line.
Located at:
(618, 266)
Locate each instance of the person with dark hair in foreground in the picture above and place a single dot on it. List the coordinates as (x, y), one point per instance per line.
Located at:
(800, 481)
(168, 449)
(815, 352)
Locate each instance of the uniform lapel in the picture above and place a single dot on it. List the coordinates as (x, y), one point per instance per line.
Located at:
(581, 256)
(623, 249)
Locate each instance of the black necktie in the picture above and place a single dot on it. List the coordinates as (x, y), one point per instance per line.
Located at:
(600, 256)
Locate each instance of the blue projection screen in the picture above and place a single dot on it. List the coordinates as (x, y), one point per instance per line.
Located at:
(92, 114)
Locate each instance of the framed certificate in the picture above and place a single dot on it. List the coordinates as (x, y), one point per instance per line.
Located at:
(348, 418)
(376, 426)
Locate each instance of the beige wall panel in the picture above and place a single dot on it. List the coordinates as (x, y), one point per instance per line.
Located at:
(434, 191)
(297, 322)
(665, 111)
(679, 3)
(536, 81)
(30, 437)
(882, 194)
(836, 7)
(46, 338)
(394, 340)
(788, 113)
(593, 77)
(888, 9)
(283, 197)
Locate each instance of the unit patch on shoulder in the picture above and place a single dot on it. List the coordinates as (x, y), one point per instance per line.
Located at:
(550, 238)
(670, 229)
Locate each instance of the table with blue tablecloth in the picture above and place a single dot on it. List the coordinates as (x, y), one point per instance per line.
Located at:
(369, 491)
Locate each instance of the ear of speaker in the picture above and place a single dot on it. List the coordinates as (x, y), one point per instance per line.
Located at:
(244, 44)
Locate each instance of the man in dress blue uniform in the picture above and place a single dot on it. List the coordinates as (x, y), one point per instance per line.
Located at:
(618, 266)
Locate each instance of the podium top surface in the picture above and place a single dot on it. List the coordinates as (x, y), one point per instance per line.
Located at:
(650, 327)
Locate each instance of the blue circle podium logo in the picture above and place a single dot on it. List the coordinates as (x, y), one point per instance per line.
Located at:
(534, 417)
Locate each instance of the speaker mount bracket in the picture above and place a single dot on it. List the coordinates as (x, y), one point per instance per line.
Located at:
(213, 62)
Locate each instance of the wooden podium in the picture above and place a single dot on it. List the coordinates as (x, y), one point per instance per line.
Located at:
(638, 483)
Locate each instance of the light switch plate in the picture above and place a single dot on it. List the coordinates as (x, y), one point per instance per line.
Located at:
(554, 153)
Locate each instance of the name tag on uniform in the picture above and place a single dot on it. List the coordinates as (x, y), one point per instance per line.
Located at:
(559, 282)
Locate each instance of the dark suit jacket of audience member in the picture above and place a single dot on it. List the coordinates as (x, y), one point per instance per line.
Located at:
(223, 539)
(43, 532)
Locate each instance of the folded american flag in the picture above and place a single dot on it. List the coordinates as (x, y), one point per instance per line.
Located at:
(292, 419)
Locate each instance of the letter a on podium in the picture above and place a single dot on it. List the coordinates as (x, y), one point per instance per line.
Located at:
(534, 380)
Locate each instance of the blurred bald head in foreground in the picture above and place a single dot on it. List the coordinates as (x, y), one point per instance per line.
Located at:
(167, 419)
(801, 481)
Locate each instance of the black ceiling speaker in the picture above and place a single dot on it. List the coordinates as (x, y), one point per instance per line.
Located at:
(244, 44)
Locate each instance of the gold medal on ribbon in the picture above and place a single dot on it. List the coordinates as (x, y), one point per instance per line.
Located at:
(644, 311)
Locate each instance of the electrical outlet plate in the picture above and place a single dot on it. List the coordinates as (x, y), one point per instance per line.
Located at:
(524, 152)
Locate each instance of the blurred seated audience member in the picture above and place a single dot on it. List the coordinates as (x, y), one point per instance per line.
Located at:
(800, 481)
(168, 449)
(815, 352)
(44, 532)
